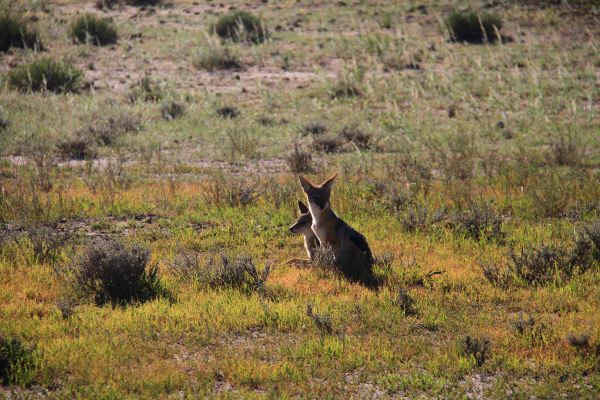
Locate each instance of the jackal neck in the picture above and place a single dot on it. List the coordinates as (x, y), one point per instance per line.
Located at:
(321, 216)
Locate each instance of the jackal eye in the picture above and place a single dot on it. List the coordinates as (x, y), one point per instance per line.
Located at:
(320, 200)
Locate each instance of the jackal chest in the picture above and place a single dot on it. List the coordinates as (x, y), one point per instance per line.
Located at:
(326, 235)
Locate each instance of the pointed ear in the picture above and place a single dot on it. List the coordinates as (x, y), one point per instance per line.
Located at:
(302, 207)
(328, 184)
(306, 185)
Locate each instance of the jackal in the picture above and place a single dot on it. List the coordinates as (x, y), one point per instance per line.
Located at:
(303, 225)
(352, 253)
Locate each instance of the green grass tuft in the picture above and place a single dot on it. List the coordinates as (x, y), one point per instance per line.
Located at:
(45, 74)
(15, 33)
(472, 27)
(17, 364)
(241, 26)
(217, 57)
(90, 29)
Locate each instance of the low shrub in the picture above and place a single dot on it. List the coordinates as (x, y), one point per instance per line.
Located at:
(349, 83)
(322, 321)
(406, 303)
(551, 193)
(541, 264)
(497, 276)
(105, 126)
(477, 349)
(479, 221)
(265, 120)
(110, 272)
(102, 4)
(172, 110)
(324, 258)
(47, 242)
(146, 89)
(414, 173)
(314, 128)
(4, 122)
(229, 192)
(45, 74)
(328, 144)
(523, 324)
(93, 30)
(592, 231)
(241, 143)
(472, 27)
(580, 342)
(354, 134)
(395, 198)
(419, 218)
(76, 148)
(143, 2)
(299, 160)
(456, 160)
(241, 26)
(222, 272)
(17, 363)
(15, 33)
(66, 306)
(566, 150)
(228, 112)
(528, 327)
(215, 57)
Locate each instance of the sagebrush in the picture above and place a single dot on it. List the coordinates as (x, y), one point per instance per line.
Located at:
(110, 272)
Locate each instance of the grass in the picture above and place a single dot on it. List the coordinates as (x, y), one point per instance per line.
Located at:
(90, 29)
(472, 27)
(241, 26)
(14, 32)
(438, 195)
(216, 56)
(45, 74)
(17, 364)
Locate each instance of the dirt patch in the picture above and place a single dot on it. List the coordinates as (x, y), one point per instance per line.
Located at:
(477, 384)
(109, 226)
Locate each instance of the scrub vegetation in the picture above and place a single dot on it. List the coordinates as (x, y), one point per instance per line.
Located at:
(147, 187)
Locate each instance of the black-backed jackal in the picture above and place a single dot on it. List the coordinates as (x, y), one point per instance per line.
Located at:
(351, 250)
(303, 225)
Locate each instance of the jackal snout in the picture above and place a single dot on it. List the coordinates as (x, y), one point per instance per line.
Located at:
(304, 221)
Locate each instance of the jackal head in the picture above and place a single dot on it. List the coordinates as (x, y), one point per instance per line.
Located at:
(318, 196)
(304, 221)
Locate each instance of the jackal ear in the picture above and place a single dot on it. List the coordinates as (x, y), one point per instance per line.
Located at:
(302, 207)
(306, 185)
(328, 184)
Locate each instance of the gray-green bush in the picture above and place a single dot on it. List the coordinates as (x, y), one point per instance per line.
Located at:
(45, 74)
(110, 272)
(221, 272)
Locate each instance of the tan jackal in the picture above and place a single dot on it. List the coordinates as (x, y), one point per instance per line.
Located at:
(303, 225)
(351, 250)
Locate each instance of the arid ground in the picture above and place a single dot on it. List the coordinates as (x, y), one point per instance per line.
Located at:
(145, 202)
